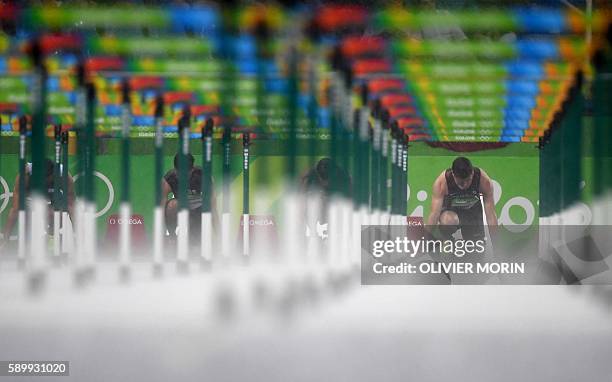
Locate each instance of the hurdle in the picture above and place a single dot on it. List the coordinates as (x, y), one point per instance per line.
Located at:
(81, 120)
(21, 222)
(57, 197)
(158, 223)
(395, 163)
(226, 143)
(182, 248)
(125, 245)
(339, 208)
(313, 60)
(263, 52)
(246, 223)
(67, 237)
(384, 168)
(291, 198)
(89, 155)
(206, 241)
(349, 218)
(365, 144)
(38, 207)
(333, 211)
(376, 163)
(403, 206)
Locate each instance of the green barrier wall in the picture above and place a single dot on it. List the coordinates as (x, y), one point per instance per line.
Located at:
(515, 168)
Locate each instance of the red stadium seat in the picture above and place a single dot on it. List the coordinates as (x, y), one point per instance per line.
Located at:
(146, 82)
(401, 111)
(385, 84)
(372, 65)
(355, 46)
(334, 17)
(95, 64)
(389, 100)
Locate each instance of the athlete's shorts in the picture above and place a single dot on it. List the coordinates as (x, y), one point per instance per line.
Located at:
(470, 223)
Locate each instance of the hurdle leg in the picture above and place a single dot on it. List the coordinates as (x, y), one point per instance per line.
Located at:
(245, 234)
(91, 247)
(206, 236)
(347, 216)
(158, 237)
(486, 227)
(290, 227)
(56, 233)
(79, 254)
(364, 220)
(333, 231)
(21, 238)
(182, 248)
(225, 234)
(125, 239)
(67, 239)
(38, 246)
(312, 241)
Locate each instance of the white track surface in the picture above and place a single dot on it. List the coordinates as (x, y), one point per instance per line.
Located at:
(210, 326)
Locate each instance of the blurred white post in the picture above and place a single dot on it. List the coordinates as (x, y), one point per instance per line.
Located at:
(183, 236)
(158, 236)
(91, 237)
(79, 254)
(334, 230)
(21, 236)
(67, 236)
(348, 217)
(125, 244)
(207, 237)
(291, 221)
(38, 239)
(245, 234)
(225, 234)
(57, 221)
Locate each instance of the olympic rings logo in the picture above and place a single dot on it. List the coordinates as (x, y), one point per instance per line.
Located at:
(6, 194)
(111, 192)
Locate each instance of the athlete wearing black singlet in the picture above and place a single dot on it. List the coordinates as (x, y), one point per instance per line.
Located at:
(194, 189)
(466, 204)
(457, 201)
(170, 184)
(49, 196)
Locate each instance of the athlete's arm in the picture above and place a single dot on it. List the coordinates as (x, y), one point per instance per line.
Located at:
(437, 199)
(489, 202)
(12, 215)
(166, 190)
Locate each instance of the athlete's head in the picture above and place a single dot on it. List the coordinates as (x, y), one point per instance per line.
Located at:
(323, 173)
(190, 161)
(462, 172)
